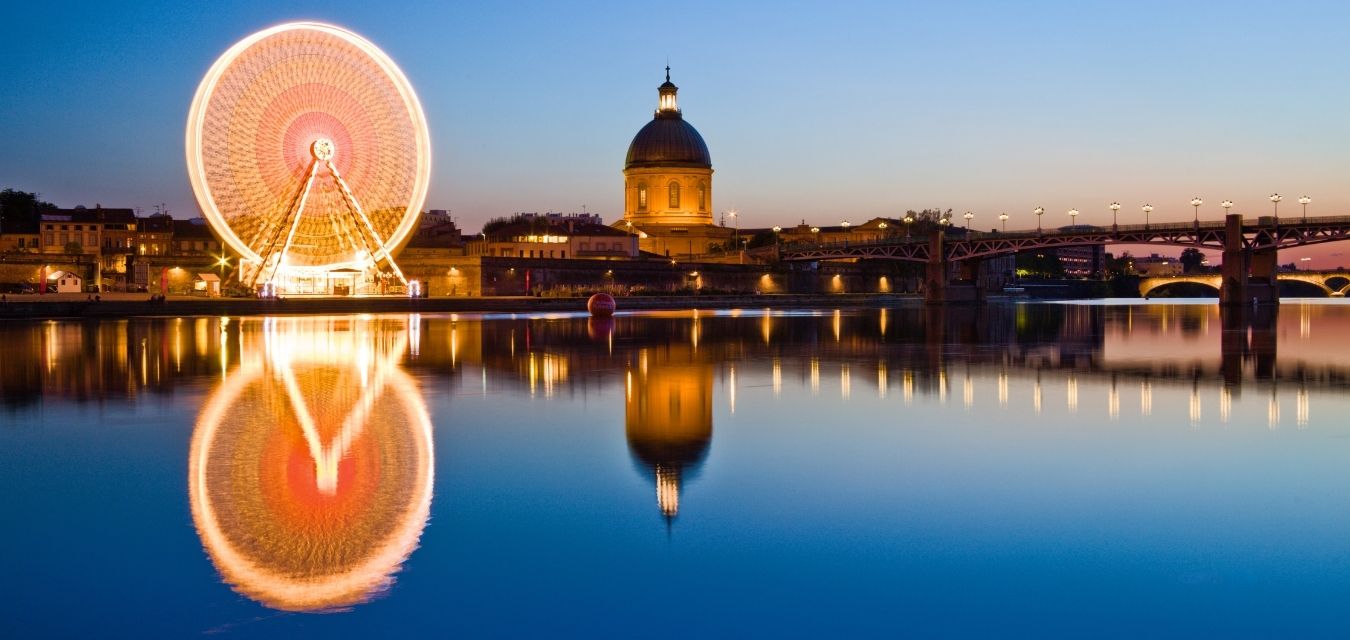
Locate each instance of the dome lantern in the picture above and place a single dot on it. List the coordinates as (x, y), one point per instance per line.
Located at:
(666, 105)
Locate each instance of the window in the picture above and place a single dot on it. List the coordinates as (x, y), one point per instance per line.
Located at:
(642, 196)
(702, 196)
(674, 195)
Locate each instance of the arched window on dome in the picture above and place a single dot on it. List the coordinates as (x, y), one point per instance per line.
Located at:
(642, 196)
(702, 196)
(674, 195)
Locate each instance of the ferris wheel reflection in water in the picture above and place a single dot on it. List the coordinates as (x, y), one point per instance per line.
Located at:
(311, 468)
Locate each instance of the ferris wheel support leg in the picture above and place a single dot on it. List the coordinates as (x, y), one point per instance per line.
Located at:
(295, 224)
(361, 214)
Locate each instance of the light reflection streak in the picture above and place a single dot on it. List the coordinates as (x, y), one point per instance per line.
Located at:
(1225, 403)
(1113, 401)
(1146, 398)
(1302, 408)
(815, 376)
(1273, 411)
(1072, 392)
(968, 391)
(881, 380)
(907, 383)
(845, 385)
(732, 391)
(1195, 405)
(777, 377)
(1036, 394)
(1003, 388)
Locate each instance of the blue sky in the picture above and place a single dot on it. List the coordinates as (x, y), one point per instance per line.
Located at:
(812, 110)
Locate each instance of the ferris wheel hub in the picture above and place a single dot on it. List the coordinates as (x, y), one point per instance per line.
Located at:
(323, 149)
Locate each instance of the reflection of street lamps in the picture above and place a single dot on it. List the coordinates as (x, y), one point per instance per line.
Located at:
(909, 220)
(1304, 201)
(968, 216)
(1148, 208)
(1276, 198)
(1039, 211)
(1004, 218)
(1226, 204)
(1196, 202)
(1114, 207)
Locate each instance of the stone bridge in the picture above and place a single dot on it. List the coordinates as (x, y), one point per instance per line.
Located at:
(1335, 284)
(1250, 251)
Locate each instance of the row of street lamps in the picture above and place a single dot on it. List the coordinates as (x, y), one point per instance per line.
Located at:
(1073, 215)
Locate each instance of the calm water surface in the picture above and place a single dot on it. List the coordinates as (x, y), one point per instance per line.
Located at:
(1104, 469)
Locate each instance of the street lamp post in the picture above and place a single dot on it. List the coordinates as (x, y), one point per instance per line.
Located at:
(1004, 218)
(1276, 198)
(736, 226)
(1196, 202)
(1148, 208)
(1115, 208)
(1039, 211)
(909, 220)
(1304, 201)
(968, 216)
(776, 230)
(1226, 204)
(1073, 216)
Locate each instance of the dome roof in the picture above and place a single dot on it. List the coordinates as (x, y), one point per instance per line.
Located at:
(668, 141)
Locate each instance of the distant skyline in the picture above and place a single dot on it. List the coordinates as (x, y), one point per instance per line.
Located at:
(812, 111)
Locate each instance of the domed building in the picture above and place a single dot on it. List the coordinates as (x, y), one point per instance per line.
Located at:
(667, 180)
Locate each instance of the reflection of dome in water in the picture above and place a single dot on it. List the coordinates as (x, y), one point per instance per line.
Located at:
(668, 419)
(310, 479)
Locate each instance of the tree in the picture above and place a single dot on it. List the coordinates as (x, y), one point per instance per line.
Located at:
(1039, 264)
(74, 248)
(1120, 266)
(1191, 260)
(21, 211)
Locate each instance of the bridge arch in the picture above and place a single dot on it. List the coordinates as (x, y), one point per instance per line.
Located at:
(1148, 286)
(1338, 283)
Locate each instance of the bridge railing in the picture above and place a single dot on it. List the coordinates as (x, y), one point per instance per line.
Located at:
(962, 234)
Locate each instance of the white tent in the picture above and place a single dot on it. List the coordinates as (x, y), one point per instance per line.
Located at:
(207, 284)
(63, 282)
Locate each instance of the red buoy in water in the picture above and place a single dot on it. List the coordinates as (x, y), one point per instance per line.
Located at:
(601, 305)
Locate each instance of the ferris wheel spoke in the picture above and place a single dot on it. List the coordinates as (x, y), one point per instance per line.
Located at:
(295, 224)
(274, 231)
(360, 213)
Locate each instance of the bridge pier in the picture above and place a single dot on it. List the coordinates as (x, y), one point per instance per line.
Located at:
(1249, 276)
(939, 289)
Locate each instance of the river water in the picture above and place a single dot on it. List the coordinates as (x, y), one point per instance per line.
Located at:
(1048, 469)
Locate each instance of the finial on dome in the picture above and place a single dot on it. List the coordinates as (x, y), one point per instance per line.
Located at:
(667, 72)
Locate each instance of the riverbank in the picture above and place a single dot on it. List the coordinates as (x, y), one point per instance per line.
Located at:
(79, 306)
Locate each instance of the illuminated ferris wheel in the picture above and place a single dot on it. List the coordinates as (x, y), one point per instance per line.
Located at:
(309, 155)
